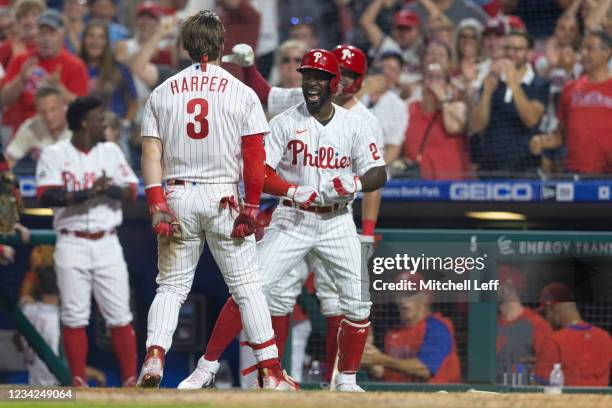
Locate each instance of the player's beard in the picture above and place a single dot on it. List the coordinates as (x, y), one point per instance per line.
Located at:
(323, 97)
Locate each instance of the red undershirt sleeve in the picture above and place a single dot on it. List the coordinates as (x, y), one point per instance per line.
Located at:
(253, 78)
(254, 157)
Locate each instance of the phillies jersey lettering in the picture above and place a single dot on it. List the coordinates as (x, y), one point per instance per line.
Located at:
(199, 117)
(305, 152)
(63, 165)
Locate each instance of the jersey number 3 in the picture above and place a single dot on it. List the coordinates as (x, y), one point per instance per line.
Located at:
(199, 118)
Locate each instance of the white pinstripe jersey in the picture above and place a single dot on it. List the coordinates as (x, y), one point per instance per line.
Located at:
(305, 152)
(63, 165)
(200, 116)
(392, 114)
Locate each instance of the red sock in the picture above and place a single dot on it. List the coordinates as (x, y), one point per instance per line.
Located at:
(124, 346)
(331, 344)
(75, 346)
(226, 329)
(156, 351)
(280, 325)
(352, 338)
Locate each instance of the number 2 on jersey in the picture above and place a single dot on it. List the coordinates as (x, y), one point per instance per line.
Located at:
(200, 118)
(374, 150)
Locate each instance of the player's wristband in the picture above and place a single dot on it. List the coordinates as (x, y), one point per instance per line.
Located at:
(155, 194)
(367, 227)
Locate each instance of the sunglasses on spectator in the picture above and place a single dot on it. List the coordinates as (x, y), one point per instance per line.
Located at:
(286, 60)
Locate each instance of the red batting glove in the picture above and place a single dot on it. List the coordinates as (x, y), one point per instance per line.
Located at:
(246, 222)
(163, 220)
(303, 195)
(346, 185)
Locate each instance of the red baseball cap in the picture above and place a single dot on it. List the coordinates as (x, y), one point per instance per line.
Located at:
(496, 25)
(515, 23)
(554, 293)
(150, 8)
(406, 18)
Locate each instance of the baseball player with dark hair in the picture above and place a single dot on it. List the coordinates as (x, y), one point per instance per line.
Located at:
(282, 297)
(196, 126)
(86, 180)
(322, 145)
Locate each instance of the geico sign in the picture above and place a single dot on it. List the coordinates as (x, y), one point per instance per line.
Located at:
(491, 191)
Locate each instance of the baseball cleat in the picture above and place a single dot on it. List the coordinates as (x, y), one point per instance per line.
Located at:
(152, 373)
(202, 377)
(130, 382)
(277, 380)
(346, 383)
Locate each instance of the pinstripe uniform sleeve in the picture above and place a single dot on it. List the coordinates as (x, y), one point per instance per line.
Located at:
(365, 152)
(255, 121)
(48, 169)
(122, 172)
(275, 142)
(393, 117)
(281, 99)
(150, 127)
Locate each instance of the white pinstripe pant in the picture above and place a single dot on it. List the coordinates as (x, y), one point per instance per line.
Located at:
(85, 265)
(199, 212)
(294, 234)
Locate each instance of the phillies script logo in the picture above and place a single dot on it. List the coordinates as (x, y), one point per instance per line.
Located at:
(346, 54)
(318, 56)
(72, 184)
(324, 158)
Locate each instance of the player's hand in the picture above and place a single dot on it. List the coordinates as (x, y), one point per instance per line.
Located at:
(163, 220)
(101, 185)
(303, 195)
(246, 222)
(346, 185)
(242, 54)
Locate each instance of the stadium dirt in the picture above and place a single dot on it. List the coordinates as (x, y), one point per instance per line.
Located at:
(316, 399)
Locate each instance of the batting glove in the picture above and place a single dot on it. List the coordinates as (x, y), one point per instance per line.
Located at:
(246, 222)
(163, 220)
(302, 195)
(346, 185)
(242, 54)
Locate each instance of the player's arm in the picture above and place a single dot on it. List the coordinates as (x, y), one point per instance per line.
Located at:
(373, 357)
(277, 186)
(163, 220)
(244, 56)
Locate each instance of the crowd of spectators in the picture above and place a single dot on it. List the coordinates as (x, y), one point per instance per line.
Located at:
(462, 88)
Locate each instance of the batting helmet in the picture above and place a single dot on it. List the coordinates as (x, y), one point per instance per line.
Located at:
(353, 59)
(322, 60)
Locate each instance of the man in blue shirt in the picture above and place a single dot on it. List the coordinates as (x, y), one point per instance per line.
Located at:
(512, 101)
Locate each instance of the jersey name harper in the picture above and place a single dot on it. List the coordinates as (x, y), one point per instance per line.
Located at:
(305, 152)
(199, 117)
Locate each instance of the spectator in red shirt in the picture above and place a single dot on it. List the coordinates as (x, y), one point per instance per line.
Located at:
(241, 22)
(26, 15)
(585, 350)
(422, 349)
(584, 108)
(523, 336)
(435, 137)
(48, 64)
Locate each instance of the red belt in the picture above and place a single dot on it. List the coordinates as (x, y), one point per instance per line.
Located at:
(314, 209)
(88, 235)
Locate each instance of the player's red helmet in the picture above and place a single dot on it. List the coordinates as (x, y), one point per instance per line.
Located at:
(353, 59)
(322, 60)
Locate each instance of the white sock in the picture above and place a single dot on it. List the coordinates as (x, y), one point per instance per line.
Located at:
(346, 378)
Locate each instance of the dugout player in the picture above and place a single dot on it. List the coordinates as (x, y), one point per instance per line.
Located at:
(283, 295)
(86, 180)
(584, 350)
(195, 128)
(322, 145)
